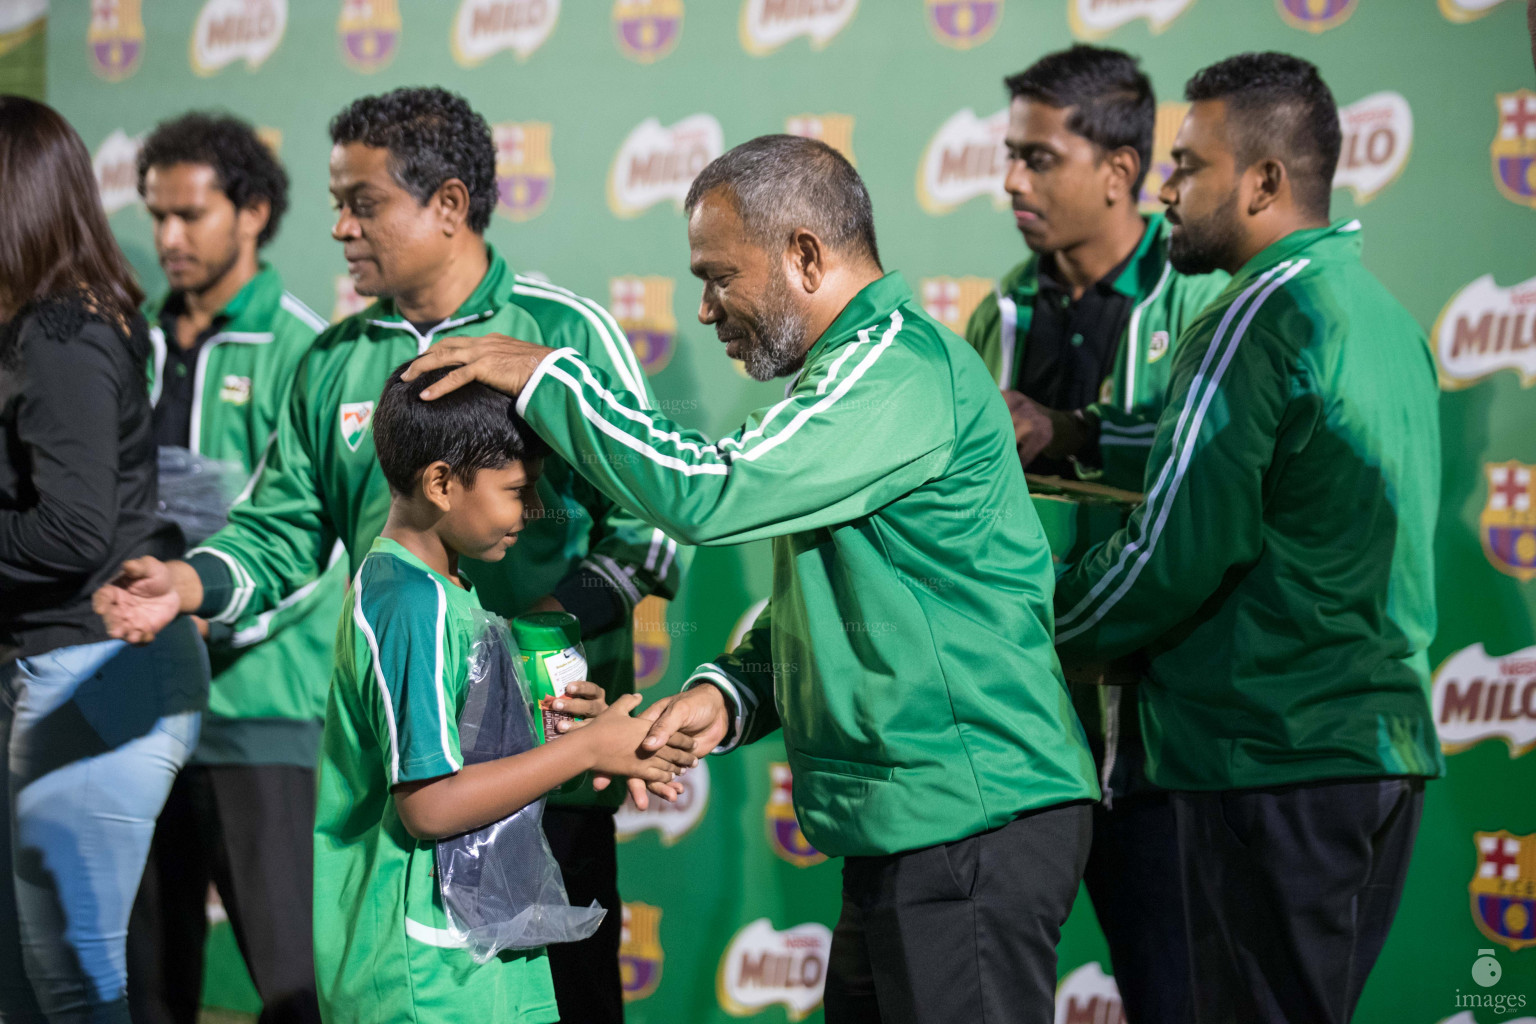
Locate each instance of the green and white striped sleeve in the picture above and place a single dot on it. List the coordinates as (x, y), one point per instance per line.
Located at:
(745, 677)
(876, 424)
(401, 614)
(1204, 510)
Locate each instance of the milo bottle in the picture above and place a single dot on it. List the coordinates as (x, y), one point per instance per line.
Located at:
(550, 644)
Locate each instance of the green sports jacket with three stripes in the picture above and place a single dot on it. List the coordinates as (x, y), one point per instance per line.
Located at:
(270, 670)
(321, 481)
(906, 647)
(1280, 574)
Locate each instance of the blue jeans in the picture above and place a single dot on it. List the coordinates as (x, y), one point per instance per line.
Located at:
(93, 737)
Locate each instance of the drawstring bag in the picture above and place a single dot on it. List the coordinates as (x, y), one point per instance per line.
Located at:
(500, 884)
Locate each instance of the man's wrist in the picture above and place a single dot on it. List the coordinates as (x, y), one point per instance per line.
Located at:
(188, 586)
(730, 707)
(1073, 433)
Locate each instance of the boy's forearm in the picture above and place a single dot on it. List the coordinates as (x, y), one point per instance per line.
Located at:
(483, 793)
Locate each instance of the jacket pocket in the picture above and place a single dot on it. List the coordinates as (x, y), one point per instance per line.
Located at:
(852, 769)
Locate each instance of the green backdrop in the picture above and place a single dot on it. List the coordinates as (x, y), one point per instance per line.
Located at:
(603, 112)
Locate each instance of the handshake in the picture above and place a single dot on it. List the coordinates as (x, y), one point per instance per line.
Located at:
(651, 750)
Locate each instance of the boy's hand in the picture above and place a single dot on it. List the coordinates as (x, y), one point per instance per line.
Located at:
(144, 598)
(615, 739)
(583, 700)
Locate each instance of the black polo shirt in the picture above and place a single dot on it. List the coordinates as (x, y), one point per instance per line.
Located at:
(173, 409)
(1071, 347)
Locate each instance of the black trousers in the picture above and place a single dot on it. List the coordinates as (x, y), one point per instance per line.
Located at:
(1133, 879)
(965, 931)
(1289, 894)
(248, 829)
(586, 974)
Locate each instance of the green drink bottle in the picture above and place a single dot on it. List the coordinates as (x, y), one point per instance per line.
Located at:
(553, 658)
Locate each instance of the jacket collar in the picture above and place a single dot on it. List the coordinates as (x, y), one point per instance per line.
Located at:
(493, 292)
(874, 302)
(1142, 271)
(1342, 237)
(249, 311)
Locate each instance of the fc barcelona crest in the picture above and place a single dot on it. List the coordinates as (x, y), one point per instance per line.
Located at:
(952, 300)
(115, 38)
(525, 173)
(1514, 147)
(963, 24)
(647, 30)
(784, 833)
(836, 130)
(1170, 117)
(369, 32)
(640, 953)
(1316, 15)
(1508, 522)
(1503, 888)
(653, 643)
(643, 307)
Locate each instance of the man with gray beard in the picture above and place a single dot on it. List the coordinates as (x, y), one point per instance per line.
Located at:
(906, 648)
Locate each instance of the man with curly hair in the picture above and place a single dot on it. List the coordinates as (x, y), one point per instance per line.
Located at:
(413, 178)
(227, 340)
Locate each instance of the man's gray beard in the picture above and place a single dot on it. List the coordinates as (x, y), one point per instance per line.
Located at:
(778, 349)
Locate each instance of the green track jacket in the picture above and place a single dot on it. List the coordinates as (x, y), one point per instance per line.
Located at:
(1281, 570)
(906, 650)
(271, 670)
(321, 482)
(1163, 303)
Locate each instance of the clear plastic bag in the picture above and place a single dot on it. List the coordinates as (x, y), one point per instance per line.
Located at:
(501, 886)
(196, 492)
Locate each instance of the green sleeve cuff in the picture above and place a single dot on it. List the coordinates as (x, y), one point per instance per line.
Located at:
(218, 584)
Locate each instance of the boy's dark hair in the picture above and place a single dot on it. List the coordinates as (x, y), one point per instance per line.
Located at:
(1278, 106)
(432, 135)
(245, 168)
(472, 428)
(1110, 98)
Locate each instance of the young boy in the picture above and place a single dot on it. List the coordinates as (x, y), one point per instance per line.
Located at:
(392, 781)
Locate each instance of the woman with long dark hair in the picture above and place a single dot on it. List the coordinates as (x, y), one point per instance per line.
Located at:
(93, 731)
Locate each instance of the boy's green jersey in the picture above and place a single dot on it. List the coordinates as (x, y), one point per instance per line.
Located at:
(907, 647)
(270, 670)
(383, 951)
(322, 483)
(1280, 573)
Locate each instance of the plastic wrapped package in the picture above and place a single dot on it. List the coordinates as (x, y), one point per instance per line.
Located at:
(500, 884)
(196, 492)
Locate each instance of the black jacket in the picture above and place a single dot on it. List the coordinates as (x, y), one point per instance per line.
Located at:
(77, 471)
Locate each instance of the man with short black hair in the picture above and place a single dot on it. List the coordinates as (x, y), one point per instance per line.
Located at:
(227, 340)
(1080, 337)
(413, 175)
(906, 650)
(1280, 573)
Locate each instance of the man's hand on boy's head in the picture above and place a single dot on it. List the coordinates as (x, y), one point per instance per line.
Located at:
(495, 360)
